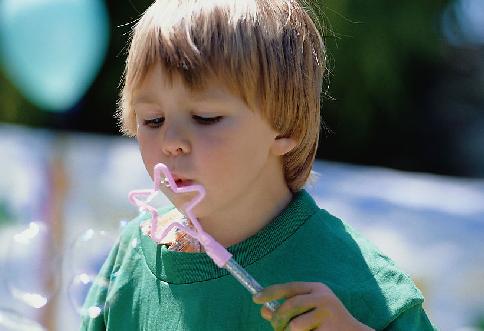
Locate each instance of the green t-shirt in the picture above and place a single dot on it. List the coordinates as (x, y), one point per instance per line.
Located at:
(144, 286)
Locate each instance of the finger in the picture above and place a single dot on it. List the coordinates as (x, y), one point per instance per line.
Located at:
(282, 291)
(306, 322)
(266, 313)
(294, 307)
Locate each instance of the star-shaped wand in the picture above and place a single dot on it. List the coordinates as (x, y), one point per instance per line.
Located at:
(214, 249)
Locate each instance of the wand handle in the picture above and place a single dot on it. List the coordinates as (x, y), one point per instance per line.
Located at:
(248, 281)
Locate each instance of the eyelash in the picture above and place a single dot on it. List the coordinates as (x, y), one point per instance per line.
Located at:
(158, 122)
(207, 120)
(154, 123)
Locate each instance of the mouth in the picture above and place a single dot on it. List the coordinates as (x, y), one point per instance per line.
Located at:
(181, 182)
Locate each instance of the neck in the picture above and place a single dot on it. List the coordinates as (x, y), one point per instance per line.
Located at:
(243, 220)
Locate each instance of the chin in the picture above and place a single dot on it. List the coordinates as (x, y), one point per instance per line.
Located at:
(180, 201)
(201, 212)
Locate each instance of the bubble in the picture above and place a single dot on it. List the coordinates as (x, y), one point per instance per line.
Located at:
(86, 257)
(89, 250)
(12, 321)
(77, 291)
(93, 311)
(32, 265)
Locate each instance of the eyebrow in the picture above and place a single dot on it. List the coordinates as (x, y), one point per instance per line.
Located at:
(144, 99)
(211, 97)
(215, 97)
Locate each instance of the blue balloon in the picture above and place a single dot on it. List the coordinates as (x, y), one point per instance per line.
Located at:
(53, 49)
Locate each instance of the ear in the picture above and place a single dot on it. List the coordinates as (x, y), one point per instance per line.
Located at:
(283, 145)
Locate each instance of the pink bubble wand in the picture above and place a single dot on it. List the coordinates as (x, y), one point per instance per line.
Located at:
(220, 256)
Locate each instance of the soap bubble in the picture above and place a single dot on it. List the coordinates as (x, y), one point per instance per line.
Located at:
(90, 249)
(78, 289)
(12, 321)
(32, 265)
(85, 258)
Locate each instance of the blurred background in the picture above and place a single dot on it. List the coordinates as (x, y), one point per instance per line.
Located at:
(401, 158)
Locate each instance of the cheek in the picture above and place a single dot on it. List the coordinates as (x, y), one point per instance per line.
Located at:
(224, 163)
(149, 153)
(211, 166)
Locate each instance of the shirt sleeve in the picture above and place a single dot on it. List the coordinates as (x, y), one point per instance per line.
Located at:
(92, 313)
(412, 319)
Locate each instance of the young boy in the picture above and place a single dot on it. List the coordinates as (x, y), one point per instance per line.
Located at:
(227, 94)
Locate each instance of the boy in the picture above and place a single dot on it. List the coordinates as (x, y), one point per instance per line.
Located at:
(227, 94)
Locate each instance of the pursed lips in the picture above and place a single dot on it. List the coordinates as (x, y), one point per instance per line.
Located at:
(181, 181)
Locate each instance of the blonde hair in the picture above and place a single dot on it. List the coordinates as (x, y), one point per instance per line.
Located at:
(269, 52)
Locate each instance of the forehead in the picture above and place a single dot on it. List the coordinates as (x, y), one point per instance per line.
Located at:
(197, 41)
(158, 81)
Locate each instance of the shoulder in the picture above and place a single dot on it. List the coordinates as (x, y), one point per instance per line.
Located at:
(348, 247)
(368, 282)
(109, 278)
(126, 246)
(131, 232)
(132, 228)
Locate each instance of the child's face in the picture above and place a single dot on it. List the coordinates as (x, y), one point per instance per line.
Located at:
(210, 138)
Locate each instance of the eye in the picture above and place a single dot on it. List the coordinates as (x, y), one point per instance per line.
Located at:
(207, 120)
(154, 123)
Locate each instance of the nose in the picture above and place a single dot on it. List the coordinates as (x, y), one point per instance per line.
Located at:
(175, 140)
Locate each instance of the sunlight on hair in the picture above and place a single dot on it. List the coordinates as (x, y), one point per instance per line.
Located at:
(270, 53)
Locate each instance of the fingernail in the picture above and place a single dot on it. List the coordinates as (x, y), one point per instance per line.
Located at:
(259, 298)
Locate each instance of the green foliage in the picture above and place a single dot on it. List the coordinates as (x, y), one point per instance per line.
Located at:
(372, 52)
(13, 107)
(381, 55)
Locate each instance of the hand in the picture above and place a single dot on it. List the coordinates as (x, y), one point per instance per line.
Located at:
(308, 306)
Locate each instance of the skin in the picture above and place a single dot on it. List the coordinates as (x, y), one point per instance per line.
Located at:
(212, 138)
(307, 306)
